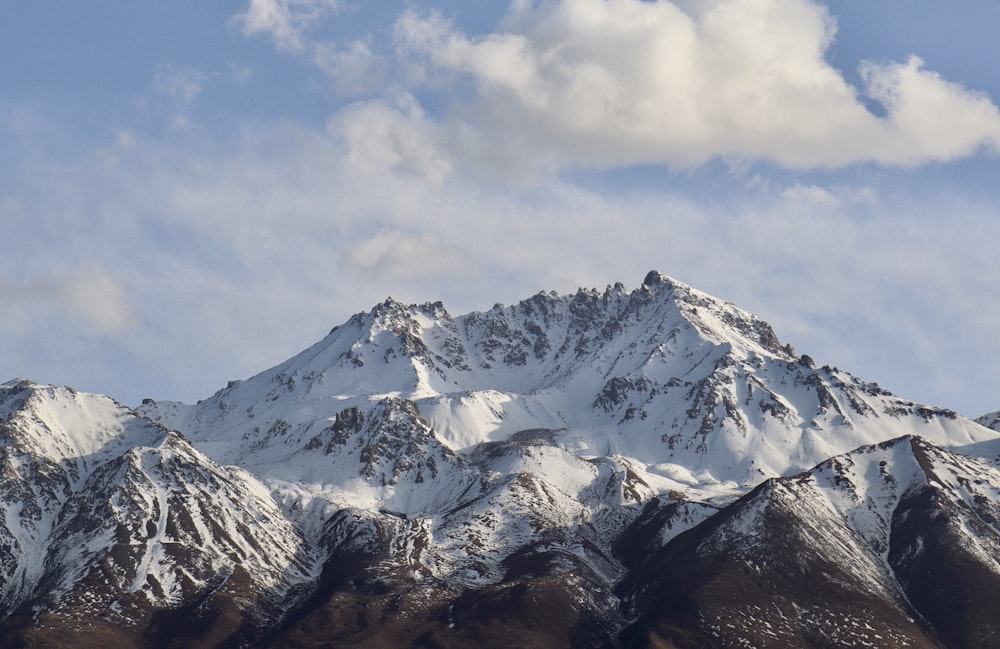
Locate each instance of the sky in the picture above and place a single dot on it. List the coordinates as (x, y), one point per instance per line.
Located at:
(192, 192)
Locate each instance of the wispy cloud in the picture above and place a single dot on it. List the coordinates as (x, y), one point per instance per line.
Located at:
(89, 296)
(355, 68)
(181, 84)
(287, 22)
(240, 75)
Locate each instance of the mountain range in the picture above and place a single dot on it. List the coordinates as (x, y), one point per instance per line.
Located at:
(646, 467)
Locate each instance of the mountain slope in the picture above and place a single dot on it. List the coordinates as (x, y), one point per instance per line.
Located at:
(110, 519)
(889, 545)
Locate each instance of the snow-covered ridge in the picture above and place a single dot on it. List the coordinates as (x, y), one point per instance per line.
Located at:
(63, 425)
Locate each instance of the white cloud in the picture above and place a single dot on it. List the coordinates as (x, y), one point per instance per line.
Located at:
(354, 68)
(929, 118)
(810, 194)
(832, 196)
(180, 84)
(397, 135)
(285, 21)
(623, 82)
(98, 299)
(395, 255)
(111, 155)
(239, 74)
(90, 296)
(606, 83)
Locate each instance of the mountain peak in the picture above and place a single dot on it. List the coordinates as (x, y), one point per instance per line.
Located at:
(656, 278)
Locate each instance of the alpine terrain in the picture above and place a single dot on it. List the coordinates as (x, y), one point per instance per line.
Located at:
(646, 467)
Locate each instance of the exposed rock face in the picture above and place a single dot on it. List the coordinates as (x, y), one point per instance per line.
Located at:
(617, 468)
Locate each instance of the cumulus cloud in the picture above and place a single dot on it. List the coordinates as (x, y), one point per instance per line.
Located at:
(624, 82)
(285, 21)
(610, 83)
(928, 118)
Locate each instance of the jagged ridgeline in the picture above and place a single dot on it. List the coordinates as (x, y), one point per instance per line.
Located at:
(646, 467)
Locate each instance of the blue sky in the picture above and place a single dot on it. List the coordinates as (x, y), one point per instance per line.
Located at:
(191, 192)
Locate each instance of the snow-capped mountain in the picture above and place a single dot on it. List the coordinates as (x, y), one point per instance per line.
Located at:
(592, 468)
(693, 389)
